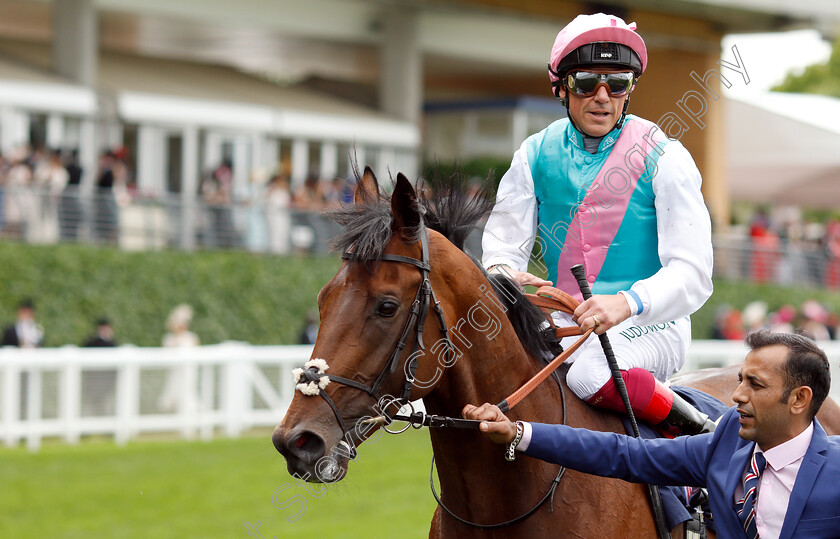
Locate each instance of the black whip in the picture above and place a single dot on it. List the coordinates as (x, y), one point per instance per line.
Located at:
(653, 491)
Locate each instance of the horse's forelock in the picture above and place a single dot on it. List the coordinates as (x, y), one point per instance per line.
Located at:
(452, 206)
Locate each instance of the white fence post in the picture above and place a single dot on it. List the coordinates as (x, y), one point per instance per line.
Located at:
(71, 397)
(128, 384)
(33, 409)
(207, 397)
(11, 403)
(189, 401)
(235, 396)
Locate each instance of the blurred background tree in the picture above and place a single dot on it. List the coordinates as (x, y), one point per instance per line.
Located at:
(821, 79)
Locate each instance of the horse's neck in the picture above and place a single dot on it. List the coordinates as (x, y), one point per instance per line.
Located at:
(489, 371)
(490, 363)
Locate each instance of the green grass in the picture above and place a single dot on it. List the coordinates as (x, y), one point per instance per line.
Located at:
(210, 489)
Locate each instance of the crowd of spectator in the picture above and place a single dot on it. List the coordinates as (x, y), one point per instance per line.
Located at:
(788, 248)
(273, 215)
(41, 201)
(811, 318)
(40, 194)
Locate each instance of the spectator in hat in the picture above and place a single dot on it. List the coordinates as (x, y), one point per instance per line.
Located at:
(104, 336)
(178, 335)
(754, 316)
(25, 332)
(782, 320)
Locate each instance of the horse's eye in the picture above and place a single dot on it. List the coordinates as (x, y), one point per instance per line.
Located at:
(388, 308)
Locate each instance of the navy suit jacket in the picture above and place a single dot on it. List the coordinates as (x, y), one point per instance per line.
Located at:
(715, 461)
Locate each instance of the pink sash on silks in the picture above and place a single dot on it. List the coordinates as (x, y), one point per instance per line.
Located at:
(600, 214)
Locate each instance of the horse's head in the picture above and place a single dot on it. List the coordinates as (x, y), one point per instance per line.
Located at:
(384, 310)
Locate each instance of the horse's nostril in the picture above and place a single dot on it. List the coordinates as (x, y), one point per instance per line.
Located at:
(307, 446)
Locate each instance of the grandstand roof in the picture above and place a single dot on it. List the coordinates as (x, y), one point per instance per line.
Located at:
(146, 89)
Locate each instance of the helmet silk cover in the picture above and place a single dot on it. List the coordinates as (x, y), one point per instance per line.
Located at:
(597, 28)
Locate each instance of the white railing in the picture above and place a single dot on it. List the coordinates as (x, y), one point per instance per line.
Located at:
(72, 392)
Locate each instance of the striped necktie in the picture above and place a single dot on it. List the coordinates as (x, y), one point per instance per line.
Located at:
(746, 505)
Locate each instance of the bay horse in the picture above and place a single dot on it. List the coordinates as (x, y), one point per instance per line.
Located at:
(410, 315)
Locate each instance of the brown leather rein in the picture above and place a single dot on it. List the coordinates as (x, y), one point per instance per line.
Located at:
(549, 299)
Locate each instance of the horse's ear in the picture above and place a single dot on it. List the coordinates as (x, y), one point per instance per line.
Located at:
(404, 205)
(367, 189)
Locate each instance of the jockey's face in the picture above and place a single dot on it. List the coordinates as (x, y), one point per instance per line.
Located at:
(769, 417)
(597, 114)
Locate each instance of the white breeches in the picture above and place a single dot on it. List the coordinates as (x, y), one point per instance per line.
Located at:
(660, 349)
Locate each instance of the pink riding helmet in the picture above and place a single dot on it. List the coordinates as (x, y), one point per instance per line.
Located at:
(602, 29)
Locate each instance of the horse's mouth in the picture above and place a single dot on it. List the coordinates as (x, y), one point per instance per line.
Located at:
(328, 469)
(307, 457)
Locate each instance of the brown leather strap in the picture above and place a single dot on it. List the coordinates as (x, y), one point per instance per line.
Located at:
(546, 371)
(569, 303)
(551, 299)
(570, 331)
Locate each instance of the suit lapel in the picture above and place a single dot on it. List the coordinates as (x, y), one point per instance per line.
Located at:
(812, 463)
(734, 474)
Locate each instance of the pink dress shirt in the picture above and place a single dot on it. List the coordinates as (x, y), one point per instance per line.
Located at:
(776, 483)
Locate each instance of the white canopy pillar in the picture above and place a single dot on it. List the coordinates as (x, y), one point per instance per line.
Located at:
(271, 156)
(212, 151)
(14, 129)
(300, 162)
(386, 161)
(75, 40)
(359, 154)
(241, 166)
(189, 186)
(151, 168)
(88, 155)
(401, 69)
(55, 131)
(329, 160)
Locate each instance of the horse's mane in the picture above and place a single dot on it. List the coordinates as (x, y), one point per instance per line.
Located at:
(453, 206)
(536, 336)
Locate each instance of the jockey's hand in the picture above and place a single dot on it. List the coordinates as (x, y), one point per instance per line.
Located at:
(607, 311)
(496, 425)
(522, 277)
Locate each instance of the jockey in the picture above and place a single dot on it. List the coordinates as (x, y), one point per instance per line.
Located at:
(608, 190)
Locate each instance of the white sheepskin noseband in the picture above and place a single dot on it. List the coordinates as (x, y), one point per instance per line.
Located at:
(311, 387)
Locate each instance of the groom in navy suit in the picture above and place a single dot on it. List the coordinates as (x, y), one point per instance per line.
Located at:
(770, 469)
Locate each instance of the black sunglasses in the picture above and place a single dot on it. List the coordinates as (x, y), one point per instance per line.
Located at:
(585, 83)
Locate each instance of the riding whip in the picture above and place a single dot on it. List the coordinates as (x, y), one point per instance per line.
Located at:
(653, 491)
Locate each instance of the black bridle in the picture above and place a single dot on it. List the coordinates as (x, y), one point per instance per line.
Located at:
(423, 299)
